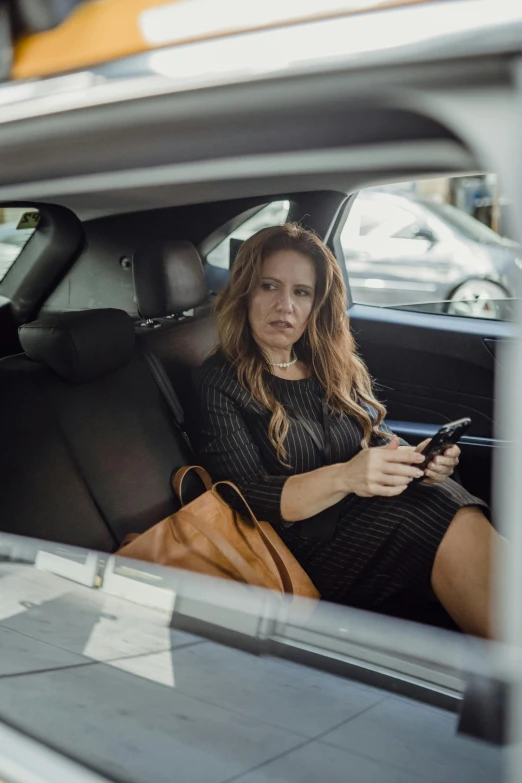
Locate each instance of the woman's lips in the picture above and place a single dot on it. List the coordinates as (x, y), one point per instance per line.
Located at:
(282, 326)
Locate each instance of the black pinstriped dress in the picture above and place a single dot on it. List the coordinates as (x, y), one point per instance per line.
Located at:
(362, 551)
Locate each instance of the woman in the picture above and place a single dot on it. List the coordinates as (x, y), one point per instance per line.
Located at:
(287, 412)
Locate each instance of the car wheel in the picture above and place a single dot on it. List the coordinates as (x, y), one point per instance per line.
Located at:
(477, 299)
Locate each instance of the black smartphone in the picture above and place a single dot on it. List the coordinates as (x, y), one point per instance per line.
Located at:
(447, 435)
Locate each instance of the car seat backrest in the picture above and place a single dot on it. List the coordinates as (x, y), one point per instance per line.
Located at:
(42, 489)
(168, 279)
(92, 443)
(168, 282)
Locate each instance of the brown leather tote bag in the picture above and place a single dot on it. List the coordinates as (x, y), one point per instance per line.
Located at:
(209, 537)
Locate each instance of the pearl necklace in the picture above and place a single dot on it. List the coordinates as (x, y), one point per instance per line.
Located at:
(284, 364)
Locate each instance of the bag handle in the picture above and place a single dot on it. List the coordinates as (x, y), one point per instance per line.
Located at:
(283, 570)
(226, 549)
(177, 481)
(219, 541)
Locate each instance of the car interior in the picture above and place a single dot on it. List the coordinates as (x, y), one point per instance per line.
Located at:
(109, 302)
(90, 308)
(126, 191)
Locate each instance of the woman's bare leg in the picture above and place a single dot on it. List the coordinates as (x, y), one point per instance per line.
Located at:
(461, 575)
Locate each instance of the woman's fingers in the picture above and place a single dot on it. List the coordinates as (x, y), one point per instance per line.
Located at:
(435, 478)
(406, 471)
(450, 458)
(405, 457)
(441, 461)
(390, 480)
(436, 465)
(422, 446)
(436, 472)
(386, 491)
(406, 464)
(389, 492)
(452, 451)
(392, 469)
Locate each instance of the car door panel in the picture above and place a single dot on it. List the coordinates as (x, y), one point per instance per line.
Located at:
(430, 369)
(415, 432)
(416, 404)
(495, 345)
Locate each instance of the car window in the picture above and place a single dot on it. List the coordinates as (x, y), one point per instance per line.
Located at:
(378, 216)
(465, 224)
(17, 225)
(273, 214)
(433, 246)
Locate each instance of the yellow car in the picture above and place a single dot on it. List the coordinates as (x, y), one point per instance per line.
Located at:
(85, 33)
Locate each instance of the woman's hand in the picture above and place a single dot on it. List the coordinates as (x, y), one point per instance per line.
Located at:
(441, 467)
(382, 470)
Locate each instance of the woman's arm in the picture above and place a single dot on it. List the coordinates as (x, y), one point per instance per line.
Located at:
(228, 451)
(307, 494)
(382, 470)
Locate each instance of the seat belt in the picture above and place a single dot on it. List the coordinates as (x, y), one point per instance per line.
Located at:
(167, 390)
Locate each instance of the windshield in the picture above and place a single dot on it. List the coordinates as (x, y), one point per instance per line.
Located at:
(466, 224)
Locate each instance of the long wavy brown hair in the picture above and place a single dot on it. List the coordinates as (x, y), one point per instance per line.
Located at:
(326, 346)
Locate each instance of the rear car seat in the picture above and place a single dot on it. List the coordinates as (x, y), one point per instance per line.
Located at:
(169, 281)
(89, 442)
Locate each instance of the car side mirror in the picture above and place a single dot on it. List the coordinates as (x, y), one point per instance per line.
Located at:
(423, 232)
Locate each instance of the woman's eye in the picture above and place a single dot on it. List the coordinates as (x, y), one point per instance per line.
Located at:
(268, 287)
(302, 292)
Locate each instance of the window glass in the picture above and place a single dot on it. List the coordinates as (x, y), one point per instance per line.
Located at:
(17, 225)
(435, 246)
(274, 214)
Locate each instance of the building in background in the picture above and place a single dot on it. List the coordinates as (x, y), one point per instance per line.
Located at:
(477, 194)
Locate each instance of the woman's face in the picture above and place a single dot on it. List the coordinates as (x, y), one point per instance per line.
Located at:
(281, 303)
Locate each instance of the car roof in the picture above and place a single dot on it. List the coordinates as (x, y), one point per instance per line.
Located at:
(222, 87)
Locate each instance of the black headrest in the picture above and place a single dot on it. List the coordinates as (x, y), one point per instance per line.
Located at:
(168, 278)
(80, 346)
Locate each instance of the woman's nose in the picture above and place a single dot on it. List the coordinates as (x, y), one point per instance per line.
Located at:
(284, 304)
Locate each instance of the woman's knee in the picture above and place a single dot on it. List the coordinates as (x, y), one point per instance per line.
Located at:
(468, 537)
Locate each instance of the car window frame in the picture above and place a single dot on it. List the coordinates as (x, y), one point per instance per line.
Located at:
(238, 225)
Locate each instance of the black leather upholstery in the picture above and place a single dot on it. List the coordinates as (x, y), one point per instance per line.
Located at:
(168, 278)
(181, 347)
(86, 463)
(80, 346)
(43, 492)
